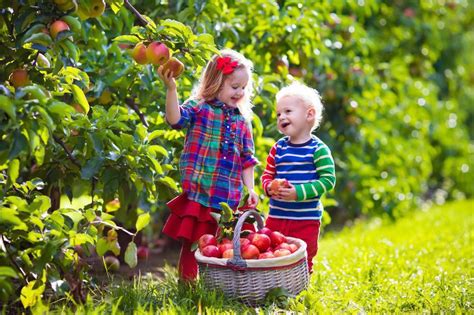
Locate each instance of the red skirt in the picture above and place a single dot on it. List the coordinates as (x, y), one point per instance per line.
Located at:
(189, 220)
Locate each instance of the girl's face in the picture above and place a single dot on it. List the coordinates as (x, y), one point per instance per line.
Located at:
(234, 88)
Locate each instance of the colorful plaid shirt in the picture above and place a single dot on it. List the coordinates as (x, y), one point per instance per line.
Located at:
(217, 147)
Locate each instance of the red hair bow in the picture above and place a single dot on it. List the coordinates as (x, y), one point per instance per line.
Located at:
(226, 65)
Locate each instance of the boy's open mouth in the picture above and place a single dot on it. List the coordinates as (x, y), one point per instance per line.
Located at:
(285, 124)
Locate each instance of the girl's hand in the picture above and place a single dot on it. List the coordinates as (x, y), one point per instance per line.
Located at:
(252, 202)
(287, 193)
(167, 78)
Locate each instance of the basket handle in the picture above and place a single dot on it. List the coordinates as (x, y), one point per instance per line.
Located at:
(237, 261)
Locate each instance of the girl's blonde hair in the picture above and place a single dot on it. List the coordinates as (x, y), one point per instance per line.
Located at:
(310, 97)
(212, 80)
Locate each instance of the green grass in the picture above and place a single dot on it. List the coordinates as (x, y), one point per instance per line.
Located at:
(421, 263)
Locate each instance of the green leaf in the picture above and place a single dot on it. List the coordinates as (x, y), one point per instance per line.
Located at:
(30, 296)
(13, 170)
(158, 149)
(206, 39)
(41, 204)
(19, 145)
(8, 107)
(60, 108)
(127, 39)
(168, 181)
(92, 167)
(131, 255)
(7, 272)
(227, 212)
(115, 5)
(142, 221)
(101, 247)
(80, 98)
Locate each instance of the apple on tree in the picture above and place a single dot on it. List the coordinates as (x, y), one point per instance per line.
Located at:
(139, 54)
(175, 66)
(19, 78)
(157, 53)
(58, 27)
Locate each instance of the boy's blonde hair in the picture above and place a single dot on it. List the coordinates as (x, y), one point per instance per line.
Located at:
(310, 97)
(212, 80)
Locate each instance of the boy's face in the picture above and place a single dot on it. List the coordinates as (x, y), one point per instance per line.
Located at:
(234, 88)
(294, 118)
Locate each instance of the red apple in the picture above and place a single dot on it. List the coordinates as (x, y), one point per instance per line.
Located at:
(244, 242)
(226, 241)
(283, 246)
(19, 78)
(224, 247)
(58, 27)
(266, 255)
(228, 254)
(277, 238)
(262, 241)
(250, 252)
(293, 248)
(175, 66)
(281, 252)
(211, 251)
(143, 252)
(265, 230)
(139, 54)
(279, 182)
(205, 240)
(251, 236)
(157, 53)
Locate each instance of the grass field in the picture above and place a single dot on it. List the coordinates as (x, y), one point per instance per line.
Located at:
(419, 264)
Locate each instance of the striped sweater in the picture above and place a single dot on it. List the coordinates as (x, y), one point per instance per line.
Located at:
(310, 168)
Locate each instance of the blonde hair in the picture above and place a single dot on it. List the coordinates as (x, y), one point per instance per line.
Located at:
(212, 80)
(310, 97)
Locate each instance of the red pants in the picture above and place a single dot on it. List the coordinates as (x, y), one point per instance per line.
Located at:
(307, 230)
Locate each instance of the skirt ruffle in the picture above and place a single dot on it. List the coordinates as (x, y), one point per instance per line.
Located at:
(188, 220)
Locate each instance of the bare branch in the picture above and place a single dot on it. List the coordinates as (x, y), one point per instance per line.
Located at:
(131, 103)
(69, 154)
(141, 20)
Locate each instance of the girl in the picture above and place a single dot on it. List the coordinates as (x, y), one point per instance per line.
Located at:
(217, 159)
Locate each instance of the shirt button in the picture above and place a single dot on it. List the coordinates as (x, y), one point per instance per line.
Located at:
(227, 142)
(225, 158)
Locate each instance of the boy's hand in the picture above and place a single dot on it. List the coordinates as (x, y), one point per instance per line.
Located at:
(167, 78)
(287, 193)
(252, 201)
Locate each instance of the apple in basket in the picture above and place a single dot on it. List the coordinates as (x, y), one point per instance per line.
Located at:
(293, 248)
(266, 255)
(281, 252)
(261, 241)
(244, 242)
(283, 246)
(205, 240)
(224, 246)
(277, 238)
(228, 253)
(211, 251)
(265, 231)
(250, 252)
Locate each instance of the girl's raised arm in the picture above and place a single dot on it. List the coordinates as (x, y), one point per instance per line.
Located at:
(173, 114)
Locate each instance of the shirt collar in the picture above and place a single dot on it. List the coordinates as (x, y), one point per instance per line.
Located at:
(217, 103)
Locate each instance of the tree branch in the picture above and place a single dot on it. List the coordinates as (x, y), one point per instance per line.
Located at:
(131, 103)
(69, 154)
(141, 20)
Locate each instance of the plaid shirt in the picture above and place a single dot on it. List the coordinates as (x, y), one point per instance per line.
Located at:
(218, 146)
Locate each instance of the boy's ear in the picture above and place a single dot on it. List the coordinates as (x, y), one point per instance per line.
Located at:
(311, 114)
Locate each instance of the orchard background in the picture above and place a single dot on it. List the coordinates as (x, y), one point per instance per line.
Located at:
(86, 154)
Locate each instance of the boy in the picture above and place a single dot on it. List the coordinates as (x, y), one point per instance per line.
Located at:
(301, 164)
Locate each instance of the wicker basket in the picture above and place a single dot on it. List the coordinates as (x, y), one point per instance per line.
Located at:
(250, 280)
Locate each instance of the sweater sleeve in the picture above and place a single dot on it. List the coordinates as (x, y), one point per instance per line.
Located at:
(327, 176)
(270, 169)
